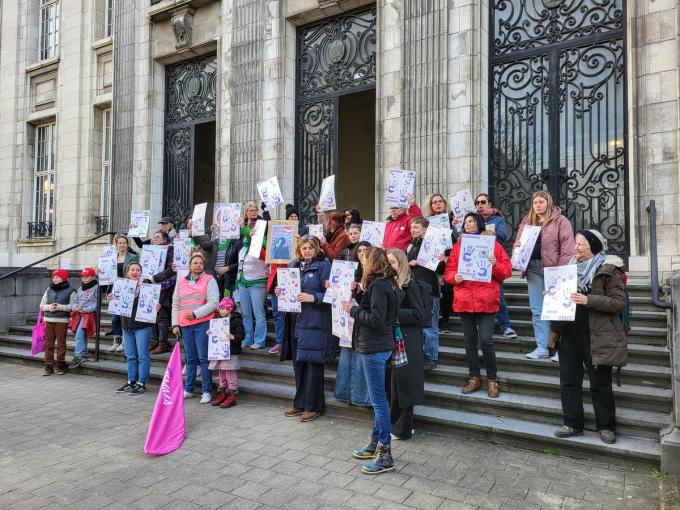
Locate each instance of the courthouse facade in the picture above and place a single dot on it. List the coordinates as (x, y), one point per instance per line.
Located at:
(108, 106)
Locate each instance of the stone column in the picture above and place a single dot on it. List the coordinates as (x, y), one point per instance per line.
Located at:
(670, 442)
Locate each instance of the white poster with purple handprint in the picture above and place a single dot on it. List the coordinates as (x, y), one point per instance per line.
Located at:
(327, 195)
(228, 221)
(219, 345)
(399, 186)
(122, 297)
(473, 261)
(152, 259)
(108, 250)
(316, 231)
(289, 287)
(342, 323)
(522, 254)
(270, 192)
(341, 277)
(139, 223)
(435, 243)
(180, 254)
(149, 294)
(107, 269)
(461, 204)
(198, 220)
(439, 220)
(560, 283)
(373, 232)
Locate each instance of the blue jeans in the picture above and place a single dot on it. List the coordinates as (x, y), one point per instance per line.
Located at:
(431, 334)
(115, 325)
(196, 347)
(136, 342)
(350, 381)
(279, 319)
(375, 366)
(502, 315)
(80, 350)
(252, 303)
(536, 287)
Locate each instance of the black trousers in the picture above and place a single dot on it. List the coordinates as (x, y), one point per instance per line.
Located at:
(402, 417)
(574, 354)
(478, 328)
(309, 386)
(161, 328)
(446, 302)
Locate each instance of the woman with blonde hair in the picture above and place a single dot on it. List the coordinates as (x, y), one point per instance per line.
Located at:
(554, 247)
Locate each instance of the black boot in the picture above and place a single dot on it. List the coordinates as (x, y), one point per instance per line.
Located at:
(48, 370)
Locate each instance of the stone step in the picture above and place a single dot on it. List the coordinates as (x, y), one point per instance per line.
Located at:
(516, 430)
(656, 318)
(635, 288)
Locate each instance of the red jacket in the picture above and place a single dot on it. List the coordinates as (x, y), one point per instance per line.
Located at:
(471, 297)
(397, 232)
(271, 279)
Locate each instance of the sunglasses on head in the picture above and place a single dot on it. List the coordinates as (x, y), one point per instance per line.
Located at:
(481, 202)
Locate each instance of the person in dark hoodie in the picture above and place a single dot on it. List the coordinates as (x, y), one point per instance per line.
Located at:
(228, 368)
(167, 278)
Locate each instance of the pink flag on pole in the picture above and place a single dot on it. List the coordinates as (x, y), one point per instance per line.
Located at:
(166, 430)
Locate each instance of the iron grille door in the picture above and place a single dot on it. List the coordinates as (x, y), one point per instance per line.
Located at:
(558, 111)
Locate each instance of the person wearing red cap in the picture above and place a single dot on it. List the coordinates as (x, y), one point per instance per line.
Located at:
(55, 305)
(83, 315)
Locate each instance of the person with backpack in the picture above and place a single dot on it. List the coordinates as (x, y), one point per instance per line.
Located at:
(428, 281)
(478, 303)
(596, 338)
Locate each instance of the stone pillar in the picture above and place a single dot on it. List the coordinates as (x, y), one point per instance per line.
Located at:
(670, 442)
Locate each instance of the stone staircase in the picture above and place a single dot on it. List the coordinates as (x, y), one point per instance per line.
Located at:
(525, 415)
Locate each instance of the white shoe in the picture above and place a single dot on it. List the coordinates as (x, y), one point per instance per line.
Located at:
(539, 353)
(397, 438)
(116, 342)
(509, 333)
(120, 347)
(188, 395)
(206, 398)
(184, 370)
(555, 358)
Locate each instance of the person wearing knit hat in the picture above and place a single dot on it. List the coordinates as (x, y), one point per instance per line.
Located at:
(292, 214)
(54, 310)
(228, 368)
(83, 315)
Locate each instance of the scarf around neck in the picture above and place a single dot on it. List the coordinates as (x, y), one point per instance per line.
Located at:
(587, 270)
(490, 212)
(59, 286)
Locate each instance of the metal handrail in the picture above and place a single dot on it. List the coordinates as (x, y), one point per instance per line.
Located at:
(99, 289)
(654, 263)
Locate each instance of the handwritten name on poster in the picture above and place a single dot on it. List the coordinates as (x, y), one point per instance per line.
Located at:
(139, 223)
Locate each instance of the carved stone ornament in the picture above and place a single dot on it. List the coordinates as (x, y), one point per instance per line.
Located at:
(552, 4)
(182, 26)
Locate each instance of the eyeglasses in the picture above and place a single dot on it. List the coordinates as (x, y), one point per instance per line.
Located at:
(440, 201)
(481, 202)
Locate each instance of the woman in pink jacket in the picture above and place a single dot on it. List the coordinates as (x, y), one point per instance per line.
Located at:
(554, 247)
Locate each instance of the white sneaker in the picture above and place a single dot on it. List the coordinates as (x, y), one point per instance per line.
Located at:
(116, 342)
(509, 333)
(539, 353)
(206, 398)
(556, 357)
(397, 438)
(184, 370)
(120, 347)
(188, 395)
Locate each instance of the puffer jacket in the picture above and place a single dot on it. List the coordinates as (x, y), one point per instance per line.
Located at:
(376, 316)
(478, 297)
(397, 232)
(557, 239)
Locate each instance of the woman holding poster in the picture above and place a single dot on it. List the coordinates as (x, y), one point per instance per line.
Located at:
(554, 247)
(397, 233)
(335, 238)
(167, 278)
(596, 338)
(311, 343)
(477, 303)
(124, 257)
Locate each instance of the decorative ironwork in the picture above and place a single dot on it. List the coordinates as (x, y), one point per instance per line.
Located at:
(101, 224)
(523, 24)
(558, 116)
(39, 229)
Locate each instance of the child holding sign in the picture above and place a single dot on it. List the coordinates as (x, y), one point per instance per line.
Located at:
(228, 369)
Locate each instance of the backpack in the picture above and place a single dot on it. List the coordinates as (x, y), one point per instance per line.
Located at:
(627, 312)
(426, 296)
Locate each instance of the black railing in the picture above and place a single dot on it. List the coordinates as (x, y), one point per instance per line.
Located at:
(101, 224)
(653, 261)
(39, 229)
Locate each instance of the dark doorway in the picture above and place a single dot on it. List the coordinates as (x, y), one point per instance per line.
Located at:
(355, 184)
(204, 162)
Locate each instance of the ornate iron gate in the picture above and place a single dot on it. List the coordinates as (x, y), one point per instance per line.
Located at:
(558, 111)
(189, 100)
(334, 57)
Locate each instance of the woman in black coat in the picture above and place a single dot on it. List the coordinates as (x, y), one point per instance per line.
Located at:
(408, 381)
(309, 340)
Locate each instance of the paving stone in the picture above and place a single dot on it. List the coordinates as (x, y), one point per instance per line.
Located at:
(394, 494)
(250, 490)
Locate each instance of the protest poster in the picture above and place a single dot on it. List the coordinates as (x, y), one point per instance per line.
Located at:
(180, 254)
(107, 270)
(435, 243)
(108, 250)
(439, 220)
(228, 217)
(219, 344)
(341, 277)
(473, 261)
(560, 283)
(288, 281)
(139, 223)
(327, 195)
(461, 204)
(152, 259)
(65, 264)
(281, 241)
(270, 192)
(316, 231)
(198, 219)
(373, 232)
(342, 323)
(149, 294)
(183, 234)
(399, 186)
(522, 254)
(257, 238)
(122, 297)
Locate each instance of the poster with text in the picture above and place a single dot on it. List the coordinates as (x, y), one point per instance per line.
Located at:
(341, 277)
(316, 231)
(107, 270)
(229, 215)
(288, 280)
(327, 195)
(399, 186)
(139, 223)
(560, 283)
(270, 193)
(522, 254)
(153, 259)
(180, 256)
(373, 232)
(257, 238)
(439, 220)
(473, 262)
(281, 241)
(219, 345)
(461, 204)
(183, 234)
(149, 294)
(435, 243)
(122, 297)
(198, 219)
(109, 250)
(342, 323)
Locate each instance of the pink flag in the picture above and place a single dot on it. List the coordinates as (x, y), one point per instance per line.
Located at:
(166, 430)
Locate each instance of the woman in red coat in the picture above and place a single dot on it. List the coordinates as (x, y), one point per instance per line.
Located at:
(477, 303)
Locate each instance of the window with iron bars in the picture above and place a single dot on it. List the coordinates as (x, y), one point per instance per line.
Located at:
(49, 29)
(108, 18)
(104, 201)
(43, 175)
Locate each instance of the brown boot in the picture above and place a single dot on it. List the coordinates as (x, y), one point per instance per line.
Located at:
(473, 385)
(493, 389)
